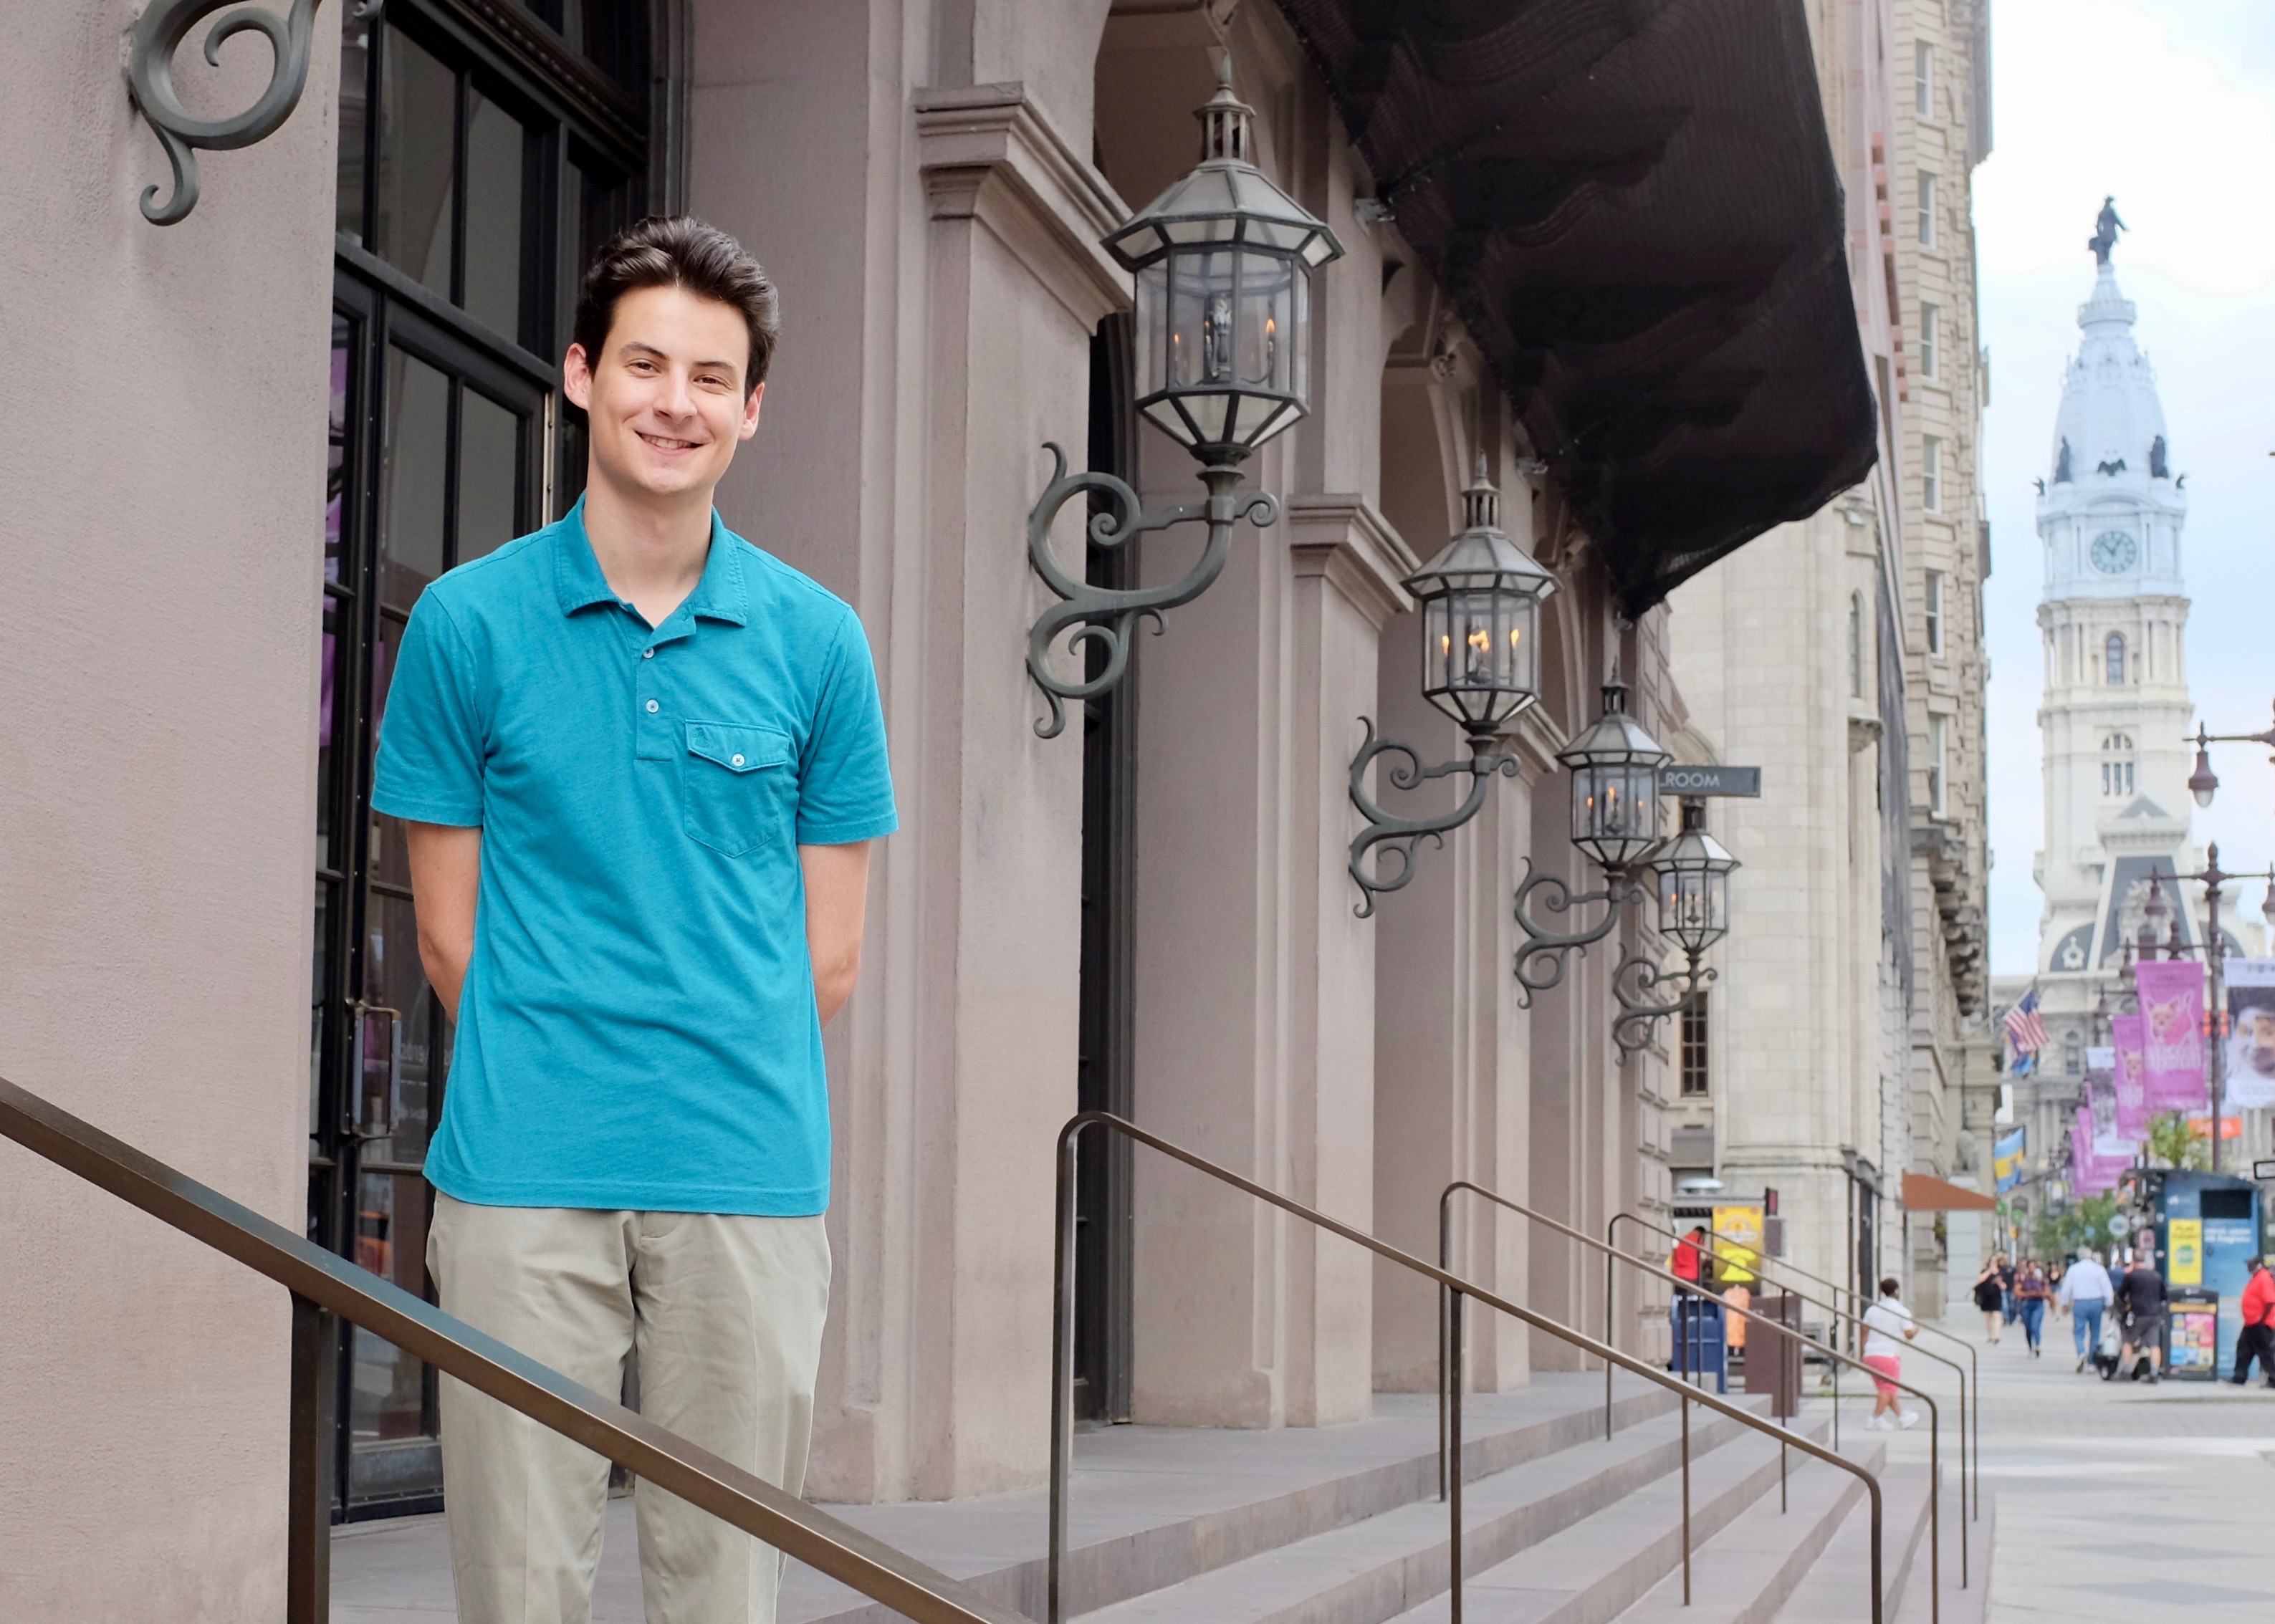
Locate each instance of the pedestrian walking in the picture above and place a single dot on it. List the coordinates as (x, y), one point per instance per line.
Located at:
(1990, 1296)
(2085, 1295)
(2256, 1339)
(641, 763)
(2006, 1287)
(2031, 1296)
(2141, 1301)
(1888, 1325)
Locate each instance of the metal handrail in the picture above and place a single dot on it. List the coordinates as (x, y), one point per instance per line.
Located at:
(1935, 1417)
(1063, 1358)
(1973, 1375)
(325, 1285)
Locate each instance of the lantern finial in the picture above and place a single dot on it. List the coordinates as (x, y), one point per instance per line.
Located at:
(1228, 123)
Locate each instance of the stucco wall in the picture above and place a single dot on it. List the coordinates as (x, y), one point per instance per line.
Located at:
(162, 455)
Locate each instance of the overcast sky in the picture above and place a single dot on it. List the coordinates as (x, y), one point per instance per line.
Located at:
(2170, 104)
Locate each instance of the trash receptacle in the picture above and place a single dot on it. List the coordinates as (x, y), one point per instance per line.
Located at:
(1773, 1356)
(1699, 1351)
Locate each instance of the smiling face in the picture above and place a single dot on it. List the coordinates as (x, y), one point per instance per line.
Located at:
(666, 397)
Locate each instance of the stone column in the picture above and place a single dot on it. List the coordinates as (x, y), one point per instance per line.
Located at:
(937, 252)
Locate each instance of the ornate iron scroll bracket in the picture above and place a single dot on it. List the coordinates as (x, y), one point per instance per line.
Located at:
(1396, 836)
(1541, 961)
(158, 33)
(1108, 618)
(1633, 983)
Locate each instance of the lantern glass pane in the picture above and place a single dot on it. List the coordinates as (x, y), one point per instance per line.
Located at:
(1200, 319)
(1263, 323)
(1152, 324)
(1299, 337)
(1614, 812)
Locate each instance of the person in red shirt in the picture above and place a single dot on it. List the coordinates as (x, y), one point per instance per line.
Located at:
(2256, 1339)
(1690, 1256)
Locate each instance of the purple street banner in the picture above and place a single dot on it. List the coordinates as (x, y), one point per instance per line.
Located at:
(2094, 1174)
(2124, 1084)
(2101, 1094)
(2132, 1073)
(2250, 1062)
(2172, 1028)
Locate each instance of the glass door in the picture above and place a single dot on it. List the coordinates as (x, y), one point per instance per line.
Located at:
(470, 191)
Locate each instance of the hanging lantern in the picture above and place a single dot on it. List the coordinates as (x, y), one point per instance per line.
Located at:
(1224, 260)
(1615, 785)
(1694, 884)
(1480, 602)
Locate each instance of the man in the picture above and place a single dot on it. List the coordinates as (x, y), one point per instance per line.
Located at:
(2084, 1296)
(2256, 1340)
(642, 762)
(2141, 1299)
(1884, 1322)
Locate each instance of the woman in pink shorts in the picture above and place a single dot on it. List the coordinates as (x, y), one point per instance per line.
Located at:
(1888, 1325)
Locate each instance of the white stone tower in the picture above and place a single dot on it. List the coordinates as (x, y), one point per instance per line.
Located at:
(2114, 612)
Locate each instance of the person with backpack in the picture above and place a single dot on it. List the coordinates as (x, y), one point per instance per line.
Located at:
(2256, 1339)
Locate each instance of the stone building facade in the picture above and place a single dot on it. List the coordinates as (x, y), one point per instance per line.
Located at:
(1842, 654)
(344, 380)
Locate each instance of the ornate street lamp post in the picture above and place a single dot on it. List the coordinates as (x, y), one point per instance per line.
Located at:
(1223, 261)
(1480, 603)
(2203, 783)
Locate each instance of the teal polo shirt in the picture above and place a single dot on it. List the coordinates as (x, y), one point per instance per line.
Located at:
(638, 1028)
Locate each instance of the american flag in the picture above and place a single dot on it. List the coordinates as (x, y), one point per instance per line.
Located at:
(2024, 1030)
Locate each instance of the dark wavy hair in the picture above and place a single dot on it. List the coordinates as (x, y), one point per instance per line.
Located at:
(678, 251)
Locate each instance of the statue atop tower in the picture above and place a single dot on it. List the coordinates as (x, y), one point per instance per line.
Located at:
(2106, 227)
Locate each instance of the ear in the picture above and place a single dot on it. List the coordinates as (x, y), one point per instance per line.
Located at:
(750, 413)
(576, 377)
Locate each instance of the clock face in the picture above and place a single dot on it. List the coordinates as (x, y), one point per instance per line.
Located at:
(2113, 552)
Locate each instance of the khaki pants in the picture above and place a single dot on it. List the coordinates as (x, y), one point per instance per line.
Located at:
(726, 1315)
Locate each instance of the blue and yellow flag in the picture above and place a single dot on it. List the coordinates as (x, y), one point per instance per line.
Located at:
(2006, 1160)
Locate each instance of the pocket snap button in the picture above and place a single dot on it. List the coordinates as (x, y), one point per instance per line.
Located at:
(739, 760)
(652, 708)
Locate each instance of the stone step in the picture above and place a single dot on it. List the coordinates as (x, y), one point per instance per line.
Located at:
(1153, 1507)
(1752, 1567)
(1377, 1569)
(1839, 1584)
(1604, 1563)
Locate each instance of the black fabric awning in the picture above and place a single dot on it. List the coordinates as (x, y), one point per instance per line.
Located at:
(1635, 208)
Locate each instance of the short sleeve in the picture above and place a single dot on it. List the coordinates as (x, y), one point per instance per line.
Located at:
(430, 737)
(845, 782)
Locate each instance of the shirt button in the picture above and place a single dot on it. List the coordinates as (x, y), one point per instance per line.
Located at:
(739, 760)
(650, 707)
(647, 653)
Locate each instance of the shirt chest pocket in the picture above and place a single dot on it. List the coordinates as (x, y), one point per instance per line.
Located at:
(737, 789)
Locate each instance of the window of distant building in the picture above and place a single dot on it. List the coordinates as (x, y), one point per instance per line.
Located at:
(1932, 473)
(1855, 645)
(1926, 210)
(2112, 655)
(1923, 76)
(1935, 611)
(1694, 1050)
(1938, 753)
(2117, 765)
(1928, 323)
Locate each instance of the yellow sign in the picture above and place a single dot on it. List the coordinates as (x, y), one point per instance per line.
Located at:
(2184, 1252)
(1738, 1245)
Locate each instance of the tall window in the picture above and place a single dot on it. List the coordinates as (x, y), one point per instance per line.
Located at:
(1926, 209)
(1929, 322)
(2073, 1056)
(1939, 751)
(2117, 765)
(1855, 645)
(1923, 76)
(1694, 1080)
(1932, 473)
(1935, 611)
(2113, 658)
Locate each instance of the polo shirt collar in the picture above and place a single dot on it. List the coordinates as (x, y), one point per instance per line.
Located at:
(578, 580)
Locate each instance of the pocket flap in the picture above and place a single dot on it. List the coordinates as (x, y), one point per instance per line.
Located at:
(737, 748)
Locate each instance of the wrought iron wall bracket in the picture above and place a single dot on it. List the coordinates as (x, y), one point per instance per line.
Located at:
(158, 33)
(1540, 962)
(1108, 618)
(1634, 1027)
(1397, 835)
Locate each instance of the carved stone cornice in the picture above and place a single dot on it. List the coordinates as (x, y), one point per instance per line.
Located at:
(1346, 538)
(987, 153)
